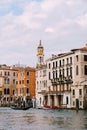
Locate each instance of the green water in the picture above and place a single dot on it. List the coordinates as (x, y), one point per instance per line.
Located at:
(39, 119)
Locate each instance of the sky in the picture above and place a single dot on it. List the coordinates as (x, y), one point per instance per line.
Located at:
(61, 25)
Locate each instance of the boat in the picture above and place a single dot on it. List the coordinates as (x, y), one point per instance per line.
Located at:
(20, 108)
(42, 107)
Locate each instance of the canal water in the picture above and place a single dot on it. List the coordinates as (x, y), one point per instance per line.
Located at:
(39, 119)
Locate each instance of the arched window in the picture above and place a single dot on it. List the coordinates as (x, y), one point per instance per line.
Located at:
(5, 91)
(27, 90)
(8, 91)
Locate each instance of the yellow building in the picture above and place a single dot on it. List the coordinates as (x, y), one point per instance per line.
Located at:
(8, 77)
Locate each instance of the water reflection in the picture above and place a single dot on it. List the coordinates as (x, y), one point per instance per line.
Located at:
(36, 119)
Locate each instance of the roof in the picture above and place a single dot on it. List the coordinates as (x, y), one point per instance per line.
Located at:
(81, 49)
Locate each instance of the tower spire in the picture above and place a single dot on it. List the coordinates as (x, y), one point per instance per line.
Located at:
(40, 54)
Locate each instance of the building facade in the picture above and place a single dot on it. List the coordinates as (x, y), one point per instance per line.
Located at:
(66, 80)
(41, 76)
(8, 77)
(25, 84)
(16, 84)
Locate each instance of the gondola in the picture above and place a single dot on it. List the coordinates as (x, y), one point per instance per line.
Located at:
(20, 108)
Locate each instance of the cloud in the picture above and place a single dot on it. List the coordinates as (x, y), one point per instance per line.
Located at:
(50, 30)
(82, 21)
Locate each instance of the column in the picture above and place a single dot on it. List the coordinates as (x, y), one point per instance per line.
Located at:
(55, 100)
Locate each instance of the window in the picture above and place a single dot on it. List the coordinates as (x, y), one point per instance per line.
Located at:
(67, 100)
(22, 81)
(40, 60)
(60, 73)
(77, 58)
(53, 64)
(70, 60)
(28, 73)
(5, 91)
(80, 103)
(8, 81)
(8, 73)
(77, 70)
(8, 91)
(80, 92)
(63, 73)
(27, 81)
(67, 71)
(16, 82)
(73, 92)
(71, 72)
(49, 76)
(13, 73)
(67, 61)
(56, 74)
(85, 57)
(60, 63)
(5, 73)
(63, 62)
(53, 74)
(85, 70)
(56, 63)
(7, 98)
(27, 90)
(49, 65)
(13, 81)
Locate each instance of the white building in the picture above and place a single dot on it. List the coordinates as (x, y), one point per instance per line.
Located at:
(79, 87)
(66, 79)
(60, 79)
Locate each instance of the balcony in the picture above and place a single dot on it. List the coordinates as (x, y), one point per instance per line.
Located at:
(42, 92)
(68, 64)
(61, 80)
(56, 92)
(54, 68)
(27, 94)
(73, 96)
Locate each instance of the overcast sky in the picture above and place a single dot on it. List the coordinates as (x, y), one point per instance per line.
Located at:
(60, 24)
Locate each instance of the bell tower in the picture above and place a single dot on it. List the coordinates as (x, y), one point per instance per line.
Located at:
(40, 55)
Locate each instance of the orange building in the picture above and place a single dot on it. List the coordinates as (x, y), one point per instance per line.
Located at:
(25, 84)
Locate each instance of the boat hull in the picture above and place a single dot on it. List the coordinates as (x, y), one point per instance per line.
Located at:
(20, 108)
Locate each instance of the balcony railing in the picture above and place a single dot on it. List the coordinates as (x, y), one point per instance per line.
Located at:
(61, 81)
(27, 94)
(42, 92)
